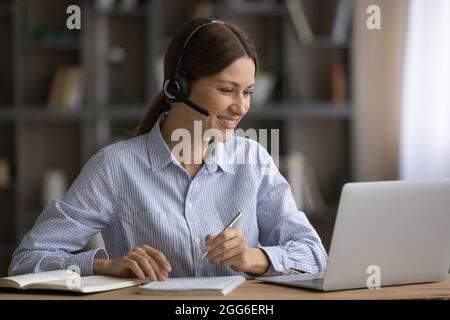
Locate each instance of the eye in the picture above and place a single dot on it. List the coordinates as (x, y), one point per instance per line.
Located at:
(227, 90)
(248, 93)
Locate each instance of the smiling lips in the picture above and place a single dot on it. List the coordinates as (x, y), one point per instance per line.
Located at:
(228, 123)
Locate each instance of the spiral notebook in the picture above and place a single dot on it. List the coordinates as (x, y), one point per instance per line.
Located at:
(193, 286)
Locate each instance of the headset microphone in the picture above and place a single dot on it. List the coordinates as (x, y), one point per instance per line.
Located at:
(194, 106)
(174, 95)
(177, 87)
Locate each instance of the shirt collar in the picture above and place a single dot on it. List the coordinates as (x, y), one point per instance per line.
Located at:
(218, 157)
(160, 155)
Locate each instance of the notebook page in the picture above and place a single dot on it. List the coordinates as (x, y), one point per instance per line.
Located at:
(91, 284)
(40, 277)
(204, 284)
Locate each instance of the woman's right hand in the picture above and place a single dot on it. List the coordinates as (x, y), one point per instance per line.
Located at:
(141, 262)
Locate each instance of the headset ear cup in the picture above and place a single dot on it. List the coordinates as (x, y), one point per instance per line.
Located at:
(185, 85)
(171, 89)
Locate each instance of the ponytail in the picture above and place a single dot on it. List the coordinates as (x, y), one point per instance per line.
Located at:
(158, 106)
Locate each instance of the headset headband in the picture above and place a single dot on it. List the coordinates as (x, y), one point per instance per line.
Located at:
(200, 24)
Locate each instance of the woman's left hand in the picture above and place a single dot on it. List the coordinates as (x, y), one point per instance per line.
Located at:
(229, 248)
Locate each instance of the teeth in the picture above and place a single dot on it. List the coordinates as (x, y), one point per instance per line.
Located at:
(229, 122)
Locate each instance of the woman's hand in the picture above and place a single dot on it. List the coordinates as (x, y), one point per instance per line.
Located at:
(141, 262)
(229, 248)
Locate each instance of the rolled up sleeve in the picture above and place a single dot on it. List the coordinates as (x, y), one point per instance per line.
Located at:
(65, 226)
(286, 235)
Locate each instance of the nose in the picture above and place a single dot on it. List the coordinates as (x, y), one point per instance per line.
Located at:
(239, 106)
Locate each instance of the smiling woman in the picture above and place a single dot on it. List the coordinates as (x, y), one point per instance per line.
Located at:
(159, 211)
(226, 100)
(212, 64)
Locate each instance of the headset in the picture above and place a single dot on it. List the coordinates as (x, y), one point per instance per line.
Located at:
(177, 86)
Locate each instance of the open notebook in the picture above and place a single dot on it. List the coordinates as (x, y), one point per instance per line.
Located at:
(193, 286)
(66, 280)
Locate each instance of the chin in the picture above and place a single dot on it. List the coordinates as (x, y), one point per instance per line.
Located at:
(225, 135)
(222, 133)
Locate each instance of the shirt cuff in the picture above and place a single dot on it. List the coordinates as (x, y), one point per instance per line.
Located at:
(277, 257)
(279, 263)
(84, 261)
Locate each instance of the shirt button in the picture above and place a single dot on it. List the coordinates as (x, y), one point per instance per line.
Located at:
(197, 240)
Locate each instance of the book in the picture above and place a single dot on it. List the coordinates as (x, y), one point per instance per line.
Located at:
(67, 89)
(66, 280)
(300, 21)
(338, 80)
(193, 286)
(343, 21)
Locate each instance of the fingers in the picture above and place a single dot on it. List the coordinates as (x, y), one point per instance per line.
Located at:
(222, 248)
(149, 263)
(145, 268)
(212, 243)
(234, 261)
(227, 255)
(134, 267)
(233, 243)
(159, 257)
(156, 273)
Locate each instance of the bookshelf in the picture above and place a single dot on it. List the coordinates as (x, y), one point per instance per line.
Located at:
(119, 53)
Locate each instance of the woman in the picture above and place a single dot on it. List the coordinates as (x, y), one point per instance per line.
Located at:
(159, 210)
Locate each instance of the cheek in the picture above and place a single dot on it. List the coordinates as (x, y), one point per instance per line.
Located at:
(217, 103)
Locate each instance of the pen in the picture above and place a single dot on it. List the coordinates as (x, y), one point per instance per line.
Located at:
(229, 226)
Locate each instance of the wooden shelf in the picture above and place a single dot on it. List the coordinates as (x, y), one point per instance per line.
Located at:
(40, 114)
(271, 9)
(121, 14)
(68, 139)
(271, 111)
(288, 111)
(34, 45)
(139, 12)
(283, 111)
(325, 42)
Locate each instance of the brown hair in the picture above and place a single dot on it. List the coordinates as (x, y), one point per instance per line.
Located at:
(210, 50)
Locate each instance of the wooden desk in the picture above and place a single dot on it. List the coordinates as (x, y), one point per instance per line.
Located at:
(256, 290)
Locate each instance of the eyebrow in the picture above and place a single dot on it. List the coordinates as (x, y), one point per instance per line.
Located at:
(234, 83)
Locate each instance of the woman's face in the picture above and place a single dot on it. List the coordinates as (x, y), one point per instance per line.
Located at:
(226, 96)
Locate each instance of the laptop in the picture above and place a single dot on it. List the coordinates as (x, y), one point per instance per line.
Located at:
(386, 233)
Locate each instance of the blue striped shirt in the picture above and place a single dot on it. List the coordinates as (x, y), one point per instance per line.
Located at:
(135, 192)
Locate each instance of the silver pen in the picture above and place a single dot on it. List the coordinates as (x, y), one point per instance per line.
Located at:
(228, 227)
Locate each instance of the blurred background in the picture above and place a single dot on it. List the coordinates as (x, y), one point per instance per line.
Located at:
(359, 90)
